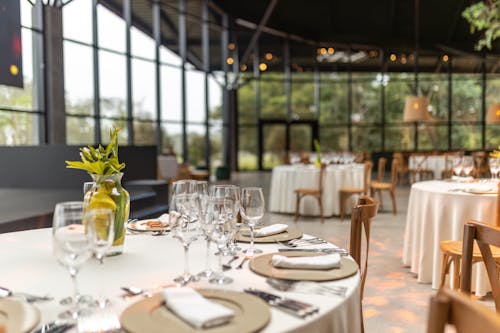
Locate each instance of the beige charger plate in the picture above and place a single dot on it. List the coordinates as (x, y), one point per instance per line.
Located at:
(17, 316)
(262, 265)
(289, 234)
(143, 226)
(479, 191)
(152, 316)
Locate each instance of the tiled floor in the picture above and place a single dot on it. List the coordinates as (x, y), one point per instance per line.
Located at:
(393, 300)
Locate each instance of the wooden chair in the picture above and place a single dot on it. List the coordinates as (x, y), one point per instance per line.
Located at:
(467, 316)
(361, 217)
(420, 169)
(377, 186)
(315, 192)
(481, 167)
(346, 192)
(381, 169)
(487, 238)
(448, 164)
(452, 253)
(403, 167)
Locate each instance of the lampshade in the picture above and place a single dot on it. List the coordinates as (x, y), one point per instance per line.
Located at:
(493, 116)
(416, 109)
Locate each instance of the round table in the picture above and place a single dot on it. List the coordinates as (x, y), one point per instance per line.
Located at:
(286, 178)
(436, 163)
(437, 211)
(27, 265)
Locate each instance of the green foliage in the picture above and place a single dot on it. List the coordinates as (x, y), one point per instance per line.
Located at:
(484, 17)
(100, 161)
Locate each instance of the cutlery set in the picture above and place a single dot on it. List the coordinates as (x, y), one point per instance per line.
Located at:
(306, 287)
(30, 298)
(54, 327)
(341, 251)
(302, 242)
(291, 306)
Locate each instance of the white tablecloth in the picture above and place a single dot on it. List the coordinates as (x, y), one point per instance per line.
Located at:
(435, 163)
(27, 264)
(437, 211)
(286, 178)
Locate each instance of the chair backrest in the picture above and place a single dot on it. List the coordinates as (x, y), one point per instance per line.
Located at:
(497, 217)
(362, 213)
(367, 177)
(467, 316)
(394, 173)
(484, 235)
(381, 169)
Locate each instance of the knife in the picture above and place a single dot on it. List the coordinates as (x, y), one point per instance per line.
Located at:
(332, 250)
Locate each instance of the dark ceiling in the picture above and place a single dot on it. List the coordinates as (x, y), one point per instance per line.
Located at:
(383, 27)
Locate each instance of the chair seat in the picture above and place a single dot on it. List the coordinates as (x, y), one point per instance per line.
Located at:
(308, 191)
(455, 248)
(352, 190)
(381, 185)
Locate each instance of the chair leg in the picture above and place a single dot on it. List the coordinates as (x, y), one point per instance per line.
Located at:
(393, 197)
(320, 208)
(456, 272)
(444, 269)
(342, 204)
(381, 200)
(297, 205)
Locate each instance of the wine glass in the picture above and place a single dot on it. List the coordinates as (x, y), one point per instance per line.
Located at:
(231, 194)
(252, 210)
(220, 233)
(467, 165)
(99, 224)
(183, 230)
(494, 164)
(457, 165)
(201, 189)
(71, 246)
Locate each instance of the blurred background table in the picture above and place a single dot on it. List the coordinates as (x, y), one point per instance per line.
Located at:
(28, 265)
(286, 178)
(437, 211)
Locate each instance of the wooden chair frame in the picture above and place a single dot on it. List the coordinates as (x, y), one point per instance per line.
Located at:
(317, 193)
(378, 187)
(448, 307)
(484, 235)
(345, 193)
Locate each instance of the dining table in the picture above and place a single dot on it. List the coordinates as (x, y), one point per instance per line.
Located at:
(435, 163)
(27, 264)
(286, 179)
(438, 211)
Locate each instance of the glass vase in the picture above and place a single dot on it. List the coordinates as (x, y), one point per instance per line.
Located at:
(107, 192)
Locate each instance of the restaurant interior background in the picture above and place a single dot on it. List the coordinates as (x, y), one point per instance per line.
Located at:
(191, 75)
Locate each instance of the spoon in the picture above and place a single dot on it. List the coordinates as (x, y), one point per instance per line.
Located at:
(135, 291)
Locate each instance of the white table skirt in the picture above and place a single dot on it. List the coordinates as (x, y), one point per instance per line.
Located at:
(434, 163)
(286, 178)
(437, 212)
(28, 265)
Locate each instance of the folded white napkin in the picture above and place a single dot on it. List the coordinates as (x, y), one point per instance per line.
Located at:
(164, 218)
(327, 261)
(462, 179)
(266, 231)
(194, 309)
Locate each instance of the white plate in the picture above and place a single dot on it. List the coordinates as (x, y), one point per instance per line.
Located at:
(149, 225)
(18, 316)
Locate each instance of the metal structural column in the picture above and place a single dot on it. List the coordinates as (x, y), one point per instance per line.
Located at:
(226, 133)
(483, 104)
(157, 38)
(39, 70)
(205, 47)
(349, 102)
(97, 95)
(54, 62)
(256, 77)
(382, 97)
(450, 101)
(127, 14)
(183, 55)
(288, 93)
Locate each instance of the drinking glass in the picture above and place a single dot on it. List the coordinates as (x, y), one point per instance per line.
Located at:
(494, 164)
(183, 230)
(467, 165)
(231, 193)
(220, 233)
(99, 224)
(457, 165)
(252, 210)
(71, 246)
(201, 190)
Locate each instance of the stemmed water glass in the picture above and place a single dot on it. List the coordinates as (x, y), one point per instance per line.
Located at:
(220, 233)
(252, 210)
(467, 165)
(71, 246)
(182, 229)
(99, 224)
(494, 164)
(201, 201)
(231, 193)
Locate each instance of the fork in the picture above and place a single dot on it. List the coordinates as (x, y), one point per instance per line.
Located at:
(302, 243)
(308, 286)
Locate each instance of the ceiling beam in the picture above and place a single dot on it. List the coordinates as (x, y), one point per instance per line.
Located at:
(258, 31)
